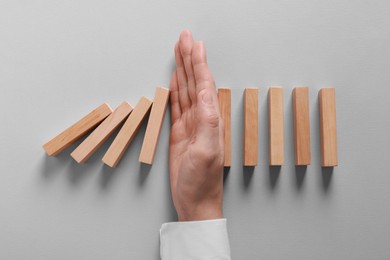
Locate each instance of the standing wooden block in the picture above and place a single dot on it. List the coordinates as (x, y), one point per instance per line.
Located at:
(224, 100)
(328, 135)
(127, 133)
(276, 126)
(154, 125)
(90, 145)
(301, 126)
(251, 114)
(77, 130)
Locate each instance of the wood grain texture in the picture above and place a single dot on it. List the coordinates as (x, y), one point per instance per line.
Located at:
(127, 133)
(154, 125)
(96, 139)
(251, 115)
(77, 130)
(276, 126)
(301, 126)
(328, 133)
(224, 100)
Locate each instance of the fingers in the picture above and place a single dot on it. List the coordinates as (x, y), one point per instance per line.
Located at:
(184, 99)
(193, 74)
(174, 98)
(203, 78)
(186, 43)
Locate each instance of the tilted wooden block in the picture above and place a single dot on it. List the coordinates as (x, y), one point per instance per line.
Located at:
(77, 130)
(251, 107)
(224, 100)
(93, 142)
(301, 126)
(154, 125)
(127, 132)
(328, 135)
(276, 126)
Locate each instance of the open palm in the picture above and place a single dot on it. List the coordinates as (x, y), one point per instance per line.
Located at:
(196, 140)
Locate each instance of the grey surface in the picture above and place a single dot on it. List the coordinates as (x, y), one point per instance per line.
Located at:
(60, 59)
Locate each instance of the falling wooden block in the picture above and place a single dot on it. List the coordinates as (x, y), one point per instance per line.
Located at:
(301, 126)
(250, 126)
(90, 145)
(328, 135)
(77, 130)
(276, 126)
(224, 100)
(127, 132)
(153, 128)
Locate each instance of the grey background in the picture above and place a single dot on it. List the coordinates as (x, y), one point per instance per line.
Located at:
(60, 59)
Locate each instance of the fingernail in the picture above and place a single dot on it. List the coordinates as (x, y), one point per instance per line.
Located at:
(207, 98)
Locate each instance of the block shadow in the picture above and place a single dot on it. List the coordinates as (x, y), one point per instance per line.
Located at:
(327, 173)
(226, 171)
(50, 164)
(247, 175)
(78, 172)
(300, 173)
(107, 174)
(144, 170)
(274, 172)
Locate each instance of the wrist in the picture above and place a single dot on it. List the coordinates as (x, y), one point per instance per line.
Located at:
(200, 214)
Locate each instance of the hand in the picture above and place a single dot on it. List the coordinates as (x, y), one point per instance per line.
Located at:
(196, 146)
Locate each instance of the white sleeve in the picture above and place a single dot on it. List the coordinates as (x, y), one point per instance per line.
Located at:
(207, 239)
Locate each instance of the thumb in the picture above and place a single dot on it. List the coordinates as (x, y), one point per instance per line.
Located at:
(208, 109)
(209, 122)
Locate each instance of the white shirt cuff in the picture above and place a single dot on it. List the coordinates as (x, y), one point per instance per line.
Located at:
(207, 239)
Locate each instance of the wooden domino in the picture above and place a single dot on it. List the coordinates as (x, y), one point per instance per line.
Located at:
(154, 125)
(251, 126)
(328, 135)
(224, 100)
(276, 126)
(127, 133)
(301, 126)
(93, 142)
(106, 121)
(77, 130)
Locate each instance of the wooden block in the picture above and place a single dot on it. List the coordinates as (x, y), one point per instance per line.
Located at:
(276, 126)
(93, 142)
(127, 132)
(77, 130)
(301, 126)
(153, 129)
(251, 116)
(224, 100)
(328, 135)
